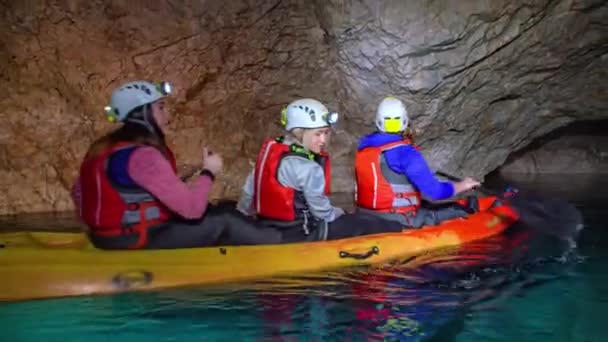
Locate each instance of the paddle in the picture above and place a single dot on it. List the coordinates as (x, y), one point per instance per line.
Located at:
(551, 216)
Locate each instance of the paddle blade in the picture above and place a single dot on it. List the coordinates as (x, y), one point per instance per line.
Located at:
(553, 217)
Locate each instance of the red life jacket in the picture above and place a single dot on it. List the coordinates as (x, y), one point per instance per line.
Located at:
(273, 200)
(110, 210)
(380, 189)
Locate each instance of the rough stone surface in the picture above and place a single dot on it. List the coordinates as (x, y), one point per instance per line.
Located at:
(481, 78)
(576, 149)
(233, 65)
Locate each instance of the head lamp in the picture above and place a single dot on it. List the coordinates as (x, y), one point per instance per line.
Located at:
(164, 88)
(111, 113)
(331, 118)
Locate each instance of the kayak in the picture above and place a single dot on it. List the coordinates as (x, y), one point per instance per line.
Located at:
(36, 265)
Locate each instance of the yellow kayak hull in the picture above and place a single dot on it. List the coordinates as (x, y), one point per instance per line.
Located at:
(37, 265)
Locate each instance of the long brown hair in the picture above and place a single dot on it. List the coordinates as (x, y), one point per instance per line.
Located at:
(132, 132)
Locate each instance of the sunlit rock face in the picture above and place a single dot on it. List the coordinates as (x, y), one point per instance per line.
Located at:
(481, 78)
(233, 65)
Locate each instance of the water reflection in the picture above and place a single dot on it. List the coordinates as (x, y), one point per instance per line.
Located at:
(406, 300)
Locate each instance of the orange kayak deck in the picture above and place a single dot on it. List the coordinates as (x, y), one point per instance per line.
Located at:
(47, 265)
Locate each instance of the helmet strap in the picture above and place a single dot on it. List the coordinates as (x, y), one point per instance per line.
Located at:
(147, 120)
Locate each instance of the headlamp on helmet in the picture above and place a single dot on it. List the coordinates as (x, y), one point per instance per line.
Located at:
(164, 88)
(331, 118)
(111, 113)
(132, 95)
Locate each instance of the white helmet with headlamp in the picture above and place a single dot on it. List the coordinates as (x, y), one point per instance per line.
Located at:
(133, 95)
(307, 113)
(391, 116)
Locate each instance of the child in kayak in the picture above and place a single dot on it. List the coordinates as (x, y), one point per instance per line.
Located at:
(391, 175)
(289, 186)
(128, 192)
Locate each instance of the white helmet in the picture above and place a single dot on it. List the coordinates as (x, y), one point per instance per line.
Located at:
(132, 95)
(307, 113)
(391, 116)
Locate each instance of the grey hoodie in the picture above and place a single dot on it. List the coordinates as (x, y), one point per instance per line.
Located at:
(302, 175)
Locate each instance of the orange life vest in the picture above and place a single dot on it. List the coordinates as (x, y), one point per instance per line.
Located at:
(110, 210)
(380, 189)
(271, 199)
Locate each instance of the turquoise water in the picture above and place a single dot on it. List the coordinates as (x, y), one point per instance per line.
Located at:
(520, 286)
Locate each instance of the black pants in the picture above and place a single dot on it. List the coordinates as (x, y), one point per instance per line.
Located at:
(221, 225)
(428, 215)
(357, 224)
(434, 215)
(345, 226)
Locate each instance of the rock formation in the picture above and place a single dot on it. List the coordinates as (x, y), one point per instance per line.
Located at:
(581, 148)
(481, 78)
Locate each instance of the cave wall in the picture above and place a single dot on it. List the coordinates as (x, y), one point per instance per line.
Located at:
(233, 66)
(481, 78)
(580, 148)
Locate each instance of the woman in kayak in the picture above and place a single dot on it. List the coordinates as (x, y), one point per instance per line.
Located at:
(289, 186)
(128, 192)
(391, 175)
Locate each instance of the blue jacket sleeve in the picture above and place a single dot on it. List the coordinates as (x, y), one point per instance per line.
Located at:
(408, 161)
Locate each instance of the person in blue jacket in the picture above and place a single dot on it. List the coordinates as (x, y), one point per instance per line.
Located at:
(392, 175)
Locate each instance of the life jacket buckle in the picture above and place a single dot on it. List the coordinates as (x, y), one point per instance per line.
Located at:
(305, 224)
(405, 195)
(133, 206)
